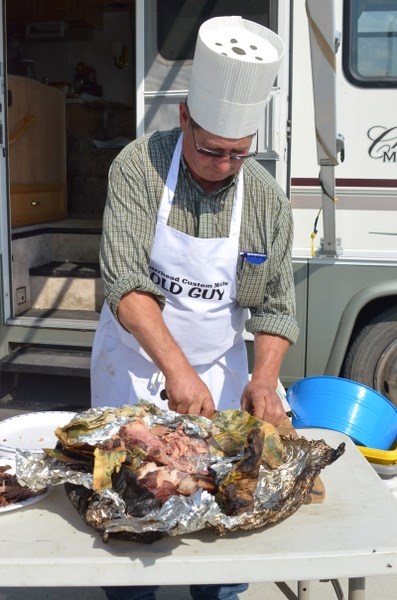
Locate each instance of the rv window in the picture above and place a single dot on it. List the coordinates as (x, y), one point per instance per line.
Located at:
(370, 43)
(178, 21)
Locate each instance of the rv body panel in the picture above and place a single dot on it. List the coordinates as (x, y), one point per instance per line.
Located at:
(5, 283)
(347, 289)
(365, 197)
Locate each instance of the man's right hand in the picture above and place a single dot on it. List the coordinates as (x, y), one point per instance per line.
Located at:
(188, 395)
(140, 314)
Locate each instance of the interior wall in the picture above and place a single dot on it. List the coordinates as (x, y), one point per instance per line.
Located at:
(57, 59)
(88, 118)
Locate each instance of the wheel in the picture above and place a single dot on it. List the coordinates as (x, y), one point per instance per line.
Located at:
(372, 358)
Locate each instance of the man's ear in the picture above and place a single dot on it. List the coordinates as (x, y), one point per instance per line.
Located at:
(183, 116)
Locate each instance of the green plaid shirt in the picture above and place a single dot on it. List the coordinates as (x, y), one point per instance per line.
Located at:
(136, 182)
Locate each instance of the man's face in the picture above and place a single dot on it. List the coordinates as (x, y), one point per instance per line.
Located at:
(207, 169)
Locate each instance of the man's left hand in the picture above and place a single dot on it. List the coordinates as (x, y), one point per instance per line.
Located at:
(262, 401)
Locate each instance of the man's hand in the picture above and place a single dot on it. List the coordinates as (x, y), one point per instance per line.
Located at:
(188, 394)
(263, 402)
(259, 396)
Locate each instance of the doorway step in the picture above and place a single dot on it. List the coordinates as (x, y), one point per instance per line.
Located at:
(45, 360)
(66, 285)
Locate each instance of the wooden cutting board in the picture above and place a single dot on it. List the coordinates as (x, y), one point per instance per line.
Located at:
(317, 494)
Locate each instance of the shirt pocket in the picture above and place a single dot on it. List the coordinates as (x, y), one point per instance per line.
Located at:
(251, 283)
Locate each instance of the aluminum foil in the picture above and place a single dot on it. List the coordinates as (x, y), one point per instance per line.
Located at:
(279, 491)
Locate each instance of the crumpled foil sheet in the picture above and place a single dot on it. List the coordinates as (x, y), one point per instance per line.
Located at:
(280, 491)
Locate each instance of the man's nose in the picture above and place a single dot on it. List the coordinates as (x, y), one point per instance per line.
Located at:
(224, 163)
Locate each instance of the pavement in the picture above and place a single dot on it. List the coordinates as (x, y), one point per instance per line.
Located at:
(31, 393)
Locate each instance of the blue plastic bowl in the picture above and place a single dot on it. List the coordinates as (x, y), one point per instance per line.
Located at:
(360, 412)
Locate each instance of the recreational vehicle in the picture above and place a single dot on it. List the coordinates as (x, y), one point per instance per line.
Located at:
(80, 79)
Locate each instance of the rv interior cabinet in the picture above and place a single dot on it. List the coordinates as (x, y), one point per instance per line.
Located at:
(37, 152)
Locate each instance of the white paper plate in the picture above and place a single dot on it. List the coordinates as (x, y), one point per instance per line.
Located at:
(22, 503)
(33, 431)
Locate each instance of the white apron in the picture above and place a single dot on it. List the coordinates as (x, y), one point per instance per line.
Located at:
(198, 279)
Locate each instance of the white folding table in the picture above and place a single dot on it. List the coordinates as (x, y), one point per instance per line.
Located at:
(352, 534)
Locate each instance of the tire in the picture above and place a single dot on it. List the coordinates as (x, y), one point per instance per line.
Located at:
(372, 358)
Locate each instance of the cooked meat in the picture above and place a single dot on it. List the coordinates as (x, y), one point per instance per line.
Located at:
(164, 446)
(185, 473)
(164, 482)
(236, 492)
(11, 492)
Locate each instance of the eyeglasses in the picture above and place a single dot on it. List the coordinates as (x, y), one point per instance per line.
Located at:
(216, 154)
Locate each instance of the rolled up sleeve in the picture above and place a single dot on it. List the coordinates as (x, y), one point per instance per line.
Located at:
(270, 295)
(128, 229)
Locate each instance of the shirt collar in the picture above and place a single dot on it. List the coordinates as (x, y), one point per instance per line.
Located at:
(231, 182)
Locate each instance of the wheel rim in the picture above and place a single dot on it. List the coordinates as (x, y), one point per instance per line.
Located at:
(385, 376)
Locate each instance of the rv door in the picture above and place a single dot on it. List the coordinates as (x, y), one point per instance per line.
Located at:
(5, 301)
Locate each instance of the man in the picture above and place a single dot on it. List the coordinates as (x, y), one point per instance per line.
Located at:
(196, 246)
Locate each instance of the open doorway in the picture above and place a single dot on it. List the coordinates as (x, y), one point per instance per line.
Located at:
(70, 76)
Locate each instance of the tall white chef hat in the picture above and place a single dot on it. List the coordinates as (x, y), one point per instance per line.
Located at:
(234, 67)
